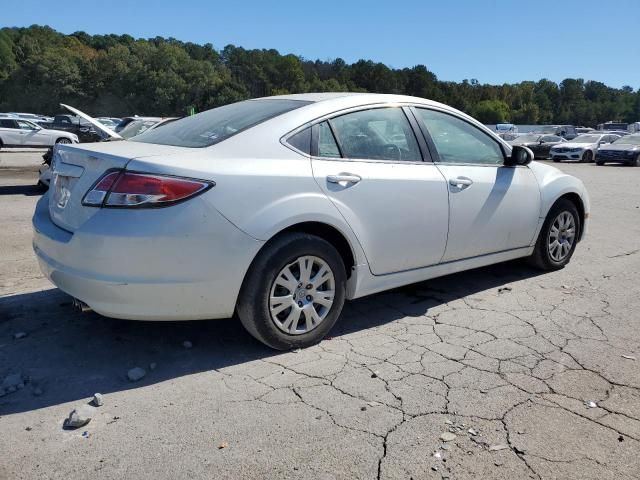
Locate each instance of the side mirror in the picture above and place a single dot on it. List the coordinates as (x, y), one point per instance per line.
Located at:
(519, 156)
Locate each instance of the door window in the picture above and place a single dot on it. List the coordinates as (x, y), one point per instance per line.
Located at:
(460, 142)
(377, 134)
(25, 125)
(327, 146)
(8, 124)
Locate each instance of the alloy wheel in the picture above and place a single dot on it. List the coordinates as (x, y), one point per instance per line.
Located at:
(562, 235)
(302, 295)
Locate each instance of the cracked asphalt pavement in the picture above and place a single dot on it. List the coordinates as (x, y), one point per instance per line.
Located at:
(536, 375)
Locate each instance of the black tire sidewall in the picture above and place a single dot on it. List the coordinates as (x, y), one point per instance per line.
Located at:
(587, 156)
(252, 306)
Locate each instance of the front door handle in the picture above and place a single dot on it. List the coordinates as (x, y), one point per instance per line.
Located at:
(461, 182)
(344, 178)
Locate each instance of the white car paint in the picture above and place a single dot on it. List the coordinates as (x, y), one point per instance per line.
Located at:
(575, 149)
(24, 133)
(403, 221)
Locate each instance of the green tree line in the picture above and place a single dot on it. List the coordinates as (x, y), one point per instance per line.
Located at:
(119, 75)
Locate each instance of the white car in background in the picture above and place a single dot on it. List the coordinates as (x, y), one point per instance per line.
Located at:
(15, 132)
(281, 208)
(583, 148)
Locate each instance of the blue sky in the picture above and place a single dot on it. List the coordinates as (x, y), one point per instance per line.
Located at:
(494, 41)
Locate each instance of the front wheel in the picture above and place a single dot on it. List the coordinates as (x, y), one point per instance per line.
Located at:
(558, 237)
(587, 157)
(293, 292)
(63, 141)
(636, 163)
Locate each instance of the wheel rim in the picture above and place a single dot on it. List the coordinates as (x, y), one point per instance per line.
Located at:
(302, 295)
(64, 140)
(587, 156)
(562, 235)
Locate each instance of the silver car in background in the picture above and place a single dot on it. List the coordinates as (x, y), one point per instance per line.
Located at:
(583, 148)
(280, 209)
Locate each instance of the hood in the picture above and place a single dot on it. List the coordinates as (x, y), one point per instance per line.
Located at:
(620, 147)
(575, 145)
(93, 122)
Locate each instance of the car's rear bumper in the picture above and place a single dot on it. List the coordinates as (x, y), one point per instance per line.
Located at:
(148, 264)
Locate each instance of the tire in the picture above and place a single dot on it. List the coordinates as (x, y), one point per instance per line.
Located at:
(254, 306)
(636, 163)
(556, 160)
(600, 164)
(63, 140)
(587, 157)
(542, 257)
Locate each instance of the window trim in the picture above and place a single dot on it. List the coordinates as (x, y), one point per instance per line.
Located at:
(404, 106)
(431, 143)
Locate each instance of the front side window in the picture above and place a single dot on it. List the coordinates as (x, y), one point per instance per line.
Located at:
(214, 126)
(25, 125)
(376, 134)
(551, 138)
(458, 141)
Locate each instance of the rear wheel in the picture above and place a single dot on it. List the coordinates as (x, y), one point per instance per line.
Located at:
(558, 237)
(293, 292)
(599, 163)
(63, 141)
(587, 157)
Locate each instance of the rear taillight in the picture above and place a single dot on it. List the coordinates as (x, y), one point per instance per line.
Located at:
(139, 190)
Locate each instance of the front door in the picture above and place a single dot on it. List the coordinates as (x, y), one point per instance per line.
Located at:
(492, 208)
(369, 164)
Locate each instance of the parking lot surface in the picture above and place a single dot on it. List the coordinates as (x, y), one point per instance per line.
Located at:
(500, 372)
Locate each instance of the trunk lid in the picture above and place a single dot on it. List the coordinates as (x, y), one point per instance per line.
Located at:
(76, 168)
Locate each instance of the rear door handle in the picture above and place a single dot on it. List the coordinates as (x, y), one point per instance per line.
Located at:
(460, 182)
(344, 178)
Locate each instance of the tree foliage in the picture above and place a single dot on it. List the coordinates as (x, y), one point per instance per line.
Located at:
(120, 75)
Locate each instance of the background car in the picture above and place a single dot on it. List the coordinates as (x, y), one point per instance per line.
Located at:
(583, 148)
(281, 208)
(539, 144)
(23, 133)
(127, 120)
(567, 132)
(625, 150)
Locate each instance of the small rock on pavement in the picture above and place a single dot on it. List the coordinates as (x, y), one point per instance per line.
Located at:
(629, 357)
(79, 417)
(223, 445)
(448, 437)
(591, 404)
(504, 289)
(136, 374)
(471, 431)
(187, 344)
(19, 335)
(495, 448)
(97, 400)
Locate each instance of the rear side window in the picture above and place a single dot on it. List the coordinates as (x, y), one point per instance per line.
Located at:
(8, 124)
(377, 134)
(214, 126)
(327, 146)
(301, 141)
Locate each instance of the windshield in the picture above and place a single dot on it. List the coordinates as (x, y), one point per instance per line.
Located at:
(629, 140)
(213, 126)
(527, 138)
(586, 139)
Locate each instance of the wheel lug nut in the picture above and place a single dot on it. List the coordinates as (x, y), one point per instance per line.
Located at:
(309, 297)
(309, 286)
(299, 304)
(300, 285)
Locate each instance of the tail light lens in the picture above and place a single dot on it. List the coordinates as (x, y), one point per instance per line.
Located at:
(140, 190)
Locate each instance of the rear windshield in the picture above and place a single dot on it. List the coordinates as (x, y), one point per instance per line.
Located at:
(213, 126)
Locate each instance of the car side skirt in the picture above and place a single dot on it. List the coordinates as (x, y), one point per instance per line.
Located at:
(366, 284)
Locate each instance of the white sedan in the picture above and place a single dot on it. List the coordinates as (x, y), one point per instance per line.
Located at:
(15, 132)
(279, 209)
(583, 148)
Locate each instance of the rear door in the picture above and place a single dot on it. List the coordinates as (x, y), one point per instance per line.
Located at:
(370, 165)
(492, 208)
